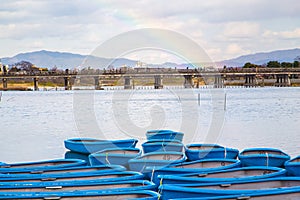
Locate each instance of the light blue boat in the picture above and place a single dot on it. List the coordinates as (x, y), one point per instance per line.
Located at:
(280, 194)
(72, 179)
(105, 195)
(229, 188)
(263, 157)
(41, 165)
(293, 166)
(157, 159)
(90, 145)
(132, 185)
(198, 166)
(64, 172)
(162, 145)
(116, 156)
(164, 135)
(229, 175)
(208, 151)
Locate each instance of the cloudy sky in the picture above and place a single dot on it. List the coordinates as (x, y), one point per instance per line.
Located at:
(223, 28)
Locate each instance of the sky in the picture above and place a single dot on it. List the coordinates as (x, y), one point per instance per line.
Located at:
(224, 29)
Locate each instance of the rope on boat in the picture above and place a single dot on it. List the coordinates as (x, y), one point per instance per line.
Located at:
(225, 152)
(163, 147)
(152, 174)
(106, 158)
(267, 156)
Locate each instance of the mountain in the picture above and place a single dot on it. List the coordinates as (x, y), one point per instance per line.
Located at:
(65, 60)
(289, 55)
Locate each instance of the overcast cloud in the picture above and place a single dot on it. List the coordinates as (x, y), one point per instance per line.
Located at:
(225, 29)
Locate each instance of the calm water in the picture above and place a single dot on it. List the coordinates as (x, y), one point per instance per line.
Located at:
(35, 124)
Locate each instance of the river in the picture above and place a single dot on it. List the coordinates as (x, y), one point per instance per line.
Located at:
(34, 124)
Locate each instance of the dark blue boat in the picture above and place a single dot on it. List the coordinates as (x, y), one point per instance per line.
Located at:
(263, 157)
(162, 145)
(235, 174)
(90, 145)
(229, 188)
(293, 166)
(157, 159)
(207, 151)
(41, 165)
(164, 135)
(131, 185)
(64, 172)
(198, 166)
(72, 179)
(116, 156)
(280, 194)
(106, 195)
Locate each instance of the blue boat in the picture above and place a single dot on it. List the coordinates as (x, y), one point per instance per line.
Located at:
(72, 179)
(41, 165)
(229, 188)
(263, 157)
(64, 172)
(157, 159)
(293, 166)
(280, 194)
(90, 145)
(198, 166)
(162, 145)
(207, 151)
(76, 155)
(235, 174)
(164, 135)
(132, 185)
(116, 156)
(124, 195)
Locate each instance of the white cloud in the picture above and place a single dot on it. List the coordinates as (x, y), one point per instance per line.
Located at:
(292, 34)
(241, 30)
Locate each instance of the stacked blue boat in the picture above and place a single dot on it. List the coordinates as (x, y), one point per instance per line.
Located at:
(164, 168)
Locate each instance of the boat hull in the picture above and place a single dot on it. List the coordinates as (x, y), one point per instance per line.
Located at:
(293, 166)
(229, 188)
(162, 146)
(164, 135)
(263, 157)
(115, 156)
(90, 145)
(209, 151)
(41, 165)
(156, 159)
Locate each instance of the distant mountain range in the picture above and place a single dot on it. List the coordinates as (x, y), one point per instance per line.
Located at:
(65, 60)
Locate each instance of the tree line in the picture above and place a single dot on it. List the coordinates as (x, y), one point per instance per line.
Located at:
(274, 64)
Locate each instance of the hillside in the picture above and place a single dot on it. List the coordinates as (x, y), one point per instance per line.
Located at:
(65, 60)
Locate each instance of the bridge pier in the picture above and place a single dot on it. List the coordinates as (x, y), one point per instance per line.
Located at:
(98, 83)
(68, 85)
(219, 82)
(4, 81)
(158, 84)
(128, 82)
(188, 81)
(250, 80)
(35, 84)
(282, 80)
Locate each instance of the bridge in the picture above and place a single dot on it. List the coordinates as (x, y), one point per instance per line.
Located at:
(249, 77)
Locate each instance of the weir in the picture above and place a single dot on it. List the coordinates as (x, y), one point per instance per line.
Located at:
(188, 81)
(250, 80)
(219, 82)
(158, 84)
(68, 85)
(128, 82)
(282, 80)
(35, 84)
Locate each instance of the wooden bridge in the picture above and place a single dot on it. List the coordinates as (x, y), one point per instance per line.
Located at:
(279, 77)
